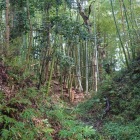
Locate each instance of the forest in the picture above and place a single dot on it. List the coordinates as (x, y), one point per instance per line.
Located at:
(69, 69)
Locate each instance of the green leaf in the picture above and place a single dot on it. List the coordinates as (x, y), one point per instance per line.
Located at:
(1, 119)
(5, 134)
(48, 130)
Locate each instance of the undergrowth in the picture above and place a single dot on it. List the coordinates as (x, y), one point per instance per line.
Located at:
(115, 109)
(29, 114)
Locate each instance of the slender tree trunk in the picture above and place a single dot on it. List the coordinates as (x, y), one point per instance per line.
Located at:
(48, 43)
(133, 19)
(50, 76)
(123, 28)
(43, 76)
(95, 57)
(30, 35)
(128, 28)
(79, 58)
(86, 66)
(7, 27)
(79, 68)
(127, 64)
(1, 33)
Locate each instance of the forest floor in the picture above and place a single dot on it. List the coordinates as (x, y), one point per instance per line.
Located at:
(59, 91)
(18, 94)
(113, 112)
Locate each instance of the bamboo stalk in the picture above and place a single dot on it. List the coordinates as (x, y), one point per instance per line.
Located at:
(112, 8)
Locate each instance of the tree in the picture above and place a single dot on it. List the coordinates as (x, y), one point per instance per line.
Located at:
(7, 33)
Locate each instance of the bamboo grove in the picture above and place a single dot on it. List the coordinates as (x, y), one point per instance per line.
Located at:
(74, 41)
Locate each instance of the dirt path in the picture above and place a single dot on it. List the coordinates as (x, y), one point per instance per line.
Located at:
(58, 92)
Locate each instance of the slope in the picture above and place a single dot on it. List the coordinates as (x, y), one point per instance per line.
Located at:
(115, 110)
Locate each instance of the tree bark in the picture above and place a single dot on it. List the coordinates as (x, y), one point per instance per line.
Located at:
(7, 27)
(87, 67)
(30, 33)
(84, 16)
(95, 54)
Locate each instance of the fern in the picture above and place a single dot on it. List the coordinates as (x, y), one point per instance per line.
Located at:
(28, 113)
(8, 120)
(20, 100)
(5, 134)
(75, 130)
(1, 119)
(8, 109)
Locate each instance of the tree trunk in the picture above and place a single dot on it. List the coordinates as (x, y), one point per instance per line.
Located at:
(86, 66)
(7, 27)
(127, 64)
(95, 57)
(30, 34)
(79, 68)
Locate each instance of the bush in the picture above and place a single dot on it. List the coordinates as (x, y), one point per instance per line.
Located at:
(117, 131)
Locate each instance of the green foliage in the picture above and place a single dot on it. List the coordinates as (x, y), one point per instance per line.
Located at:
(74, 130)
(20, 25)
(2, 5)
(69, 3)
(66, 26)
(118, 131)
(92, 105)
(28, 115)
(121, 122)
(20, 118)
(71, 129)
(65, 62)
(25, 113)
